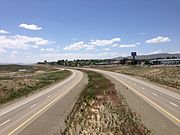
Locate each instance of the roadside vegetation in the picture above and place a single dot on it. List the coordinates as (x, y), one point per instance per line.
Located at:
(165, 75)
(14, 83)
(101, 111)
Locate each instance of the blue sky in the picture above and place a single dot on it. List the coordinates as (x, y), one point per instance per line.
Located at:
(34, 30)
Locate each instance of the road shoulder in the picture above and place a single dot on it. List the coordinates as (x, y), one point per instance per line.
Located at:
(52, 121)
(152, 119)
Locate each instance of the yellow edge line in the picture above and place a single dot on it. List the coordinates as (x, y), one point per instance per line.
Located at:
(64, 93)
(176, 119)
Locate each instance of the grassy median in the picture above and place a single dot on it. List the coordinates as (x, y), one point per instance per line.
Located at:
(99, 110)
(13, 87)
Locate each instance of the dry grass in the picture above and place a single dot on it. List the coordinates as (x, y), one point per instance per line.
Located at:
(99, 111)
(14, 84)
(169, 76)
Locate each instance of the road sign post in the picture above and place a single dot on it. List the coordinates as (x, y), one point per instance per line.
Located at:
(133, 54)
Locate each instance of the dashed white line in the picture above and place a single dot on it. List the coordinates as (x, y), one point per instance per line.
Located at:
(154, 94)
(173, 104)
(5, 122)
(142, 88)
(49, 96)
(33, 105)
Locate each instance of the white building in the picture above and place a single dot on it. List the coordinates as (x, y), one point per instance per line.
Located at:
(165, 61)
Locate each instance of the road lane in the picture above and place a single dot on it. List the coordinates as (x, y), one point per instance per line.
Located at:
(163, 100)
(16, 117)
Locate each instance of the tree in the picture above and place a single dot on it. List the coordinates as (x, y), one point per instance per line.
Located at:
(60, 62)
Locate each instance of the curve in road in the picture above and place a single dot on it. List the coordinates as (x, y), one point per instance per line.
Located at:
(15, 117)
(163, 100)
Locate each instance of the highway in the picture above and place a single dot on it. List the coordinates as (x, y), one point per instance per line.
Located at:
(15, 117)
(162, 99)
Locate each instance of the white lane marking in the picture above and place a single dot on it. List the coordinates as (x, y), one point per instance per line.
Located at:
(146, 99)
(142, 88)
(33, 105)
(5, 122)
(154, 94)
(140, 95)
(38, 95)
(134, 83)
(173, 104)
(49, 96)
(54, 101)
(147, 84)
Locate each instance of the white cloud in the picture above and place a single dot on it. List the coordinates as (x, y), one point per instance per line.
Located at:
(47, 49)
(22, 42)
(79, 45)
(127, 45)
(30, 26)
(2, 51)
(76, 46)
(115, 45)
(116, 39)
(3, 32)
(106, 49)
(156, 52)
(138, 43)
(108, 55)
(92, 44)
(158, 40)
(13, 54)
(105, 42)
(90, 47)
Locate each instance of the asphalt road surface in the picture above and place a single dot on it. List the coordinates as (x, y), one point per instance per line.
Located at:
(163, 100)
(15, 117)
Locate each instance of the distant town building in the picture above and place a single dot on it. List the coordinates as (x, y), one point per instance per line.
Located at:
(117, 62)
(22, 70)
(165, 61)
(102, 63)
